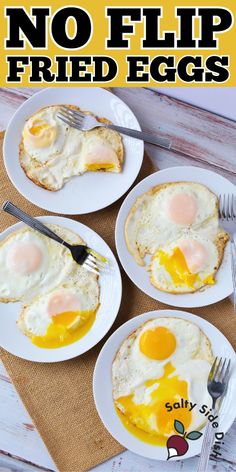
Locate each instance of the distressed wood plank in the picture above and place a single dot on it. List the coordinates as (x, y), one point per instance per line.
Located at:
(163, 159)
(202, 136)
(18, 435)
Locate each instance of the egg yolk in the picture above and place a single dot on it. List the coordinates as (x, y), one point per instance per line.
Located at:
(151, 422)
(66, 328)
(100, 157)
(25, 258)
(158, 343)
(195, 254)
(209, 280)
(182, 209)
(40, 134)
(63, 301)
(175, 264)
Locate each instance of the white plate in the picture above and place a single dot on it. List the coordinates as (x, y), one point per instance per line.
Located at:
(139, 275)
(102, 385)
(93, 190)
(15, 342)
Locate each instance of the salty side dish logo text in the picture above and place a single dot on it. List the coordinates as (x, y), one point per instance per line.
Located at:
(177, 445)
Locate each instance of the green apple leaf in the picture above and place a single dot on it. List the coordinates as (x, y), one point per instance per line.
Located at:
(179, 427)
(194, 435)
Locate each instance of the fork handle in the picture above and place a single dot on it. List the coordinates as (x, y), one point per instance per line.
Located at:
(233, 268)
(148, 138)
(8, 207)
(206, 448)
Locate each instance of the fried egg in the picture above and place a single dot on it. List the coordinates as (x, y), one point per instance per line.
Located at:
(164, 212)
(31, 263)
(176, 224)
(51, 152)
(63, 316)
(164, 360)
(187, 264)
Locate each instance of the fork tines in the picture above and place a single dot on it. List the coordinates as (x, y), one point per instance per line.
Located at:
(220, 370)
(227, 206)
(94, 262)
(70, 116)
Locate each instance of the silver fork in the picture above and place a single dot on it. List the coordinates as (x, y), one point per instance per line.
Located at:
(82, 254)
(216, 386)
(77, 119)
(227, 215)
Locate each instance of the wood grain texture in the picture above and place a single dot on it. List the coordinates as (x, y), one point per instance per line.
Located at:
(200, 138)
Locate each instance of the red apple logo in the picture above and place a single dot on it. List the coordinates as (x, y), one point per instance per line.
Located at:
(178, 445)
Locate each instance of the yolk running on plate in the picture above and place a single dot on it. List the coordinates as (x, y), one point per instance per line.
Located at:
(100, 166)
(139, 419)
(175, 264)
(158, 343)
(65, 328)
(209, 280)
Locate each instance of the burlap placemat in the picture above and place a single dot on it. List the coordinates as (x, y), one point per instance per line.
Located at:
(59, 396)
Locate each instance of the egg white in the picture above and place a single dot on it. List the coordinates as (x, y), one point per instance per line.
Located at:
(132, 368)
(148, 226)
(34, 318)
(192, 360)
(54, 267)
(162, 279)
(53, 165)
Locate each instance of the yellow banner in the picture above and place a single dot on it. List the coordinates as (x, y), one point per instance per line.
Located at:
(115, 43)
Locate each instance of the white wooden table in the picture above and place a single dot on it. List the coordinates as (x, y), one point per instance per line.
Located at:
(203, 139)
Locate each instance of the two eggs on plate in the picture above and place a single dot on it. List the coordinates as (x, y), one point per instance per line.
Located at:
(59, 298)
(177, 225)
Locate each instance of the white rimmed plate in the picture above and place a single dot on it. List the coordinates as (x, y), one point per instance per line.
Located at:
(93, 190)
(102, 384)
(223, 286)
(16, 343)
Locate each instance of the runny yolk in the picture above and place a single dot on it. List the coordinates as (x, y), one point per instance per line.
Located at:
(175, 264)
(66, 328)
(151, 422)
(158, 343)
(101, 157)
(100, 166)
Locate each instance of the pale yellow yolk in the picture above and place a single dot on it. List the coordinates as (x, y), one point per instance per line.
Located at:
(40, 134)
(101, 157)
(209, 280)
(195, 254)
(158, 343)
(25, 258)
(175, 264)
(182, 209)
(66, 328)
(139, 418)
(63, 301)
(68, 322)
